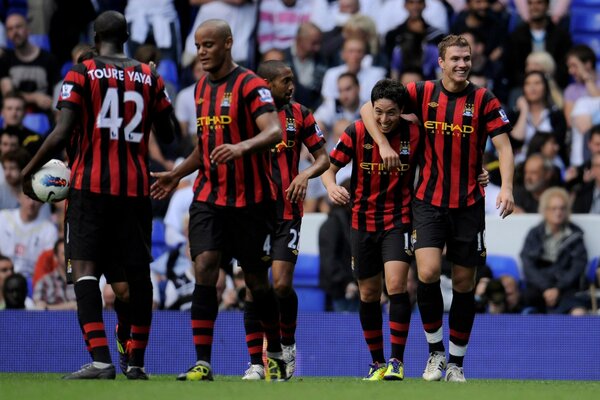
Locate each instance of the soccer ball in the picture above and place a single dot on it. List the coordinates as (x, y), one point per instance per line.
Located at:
(51, 182)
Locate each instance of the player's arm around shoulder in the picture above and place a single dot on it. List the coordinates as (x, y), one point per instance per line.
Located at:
(391, 159)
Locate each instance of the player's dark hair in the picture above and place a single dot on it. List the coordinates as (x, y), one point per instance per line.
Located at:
(584, 53)
(390, 89)
(111, 26)
(269, 70)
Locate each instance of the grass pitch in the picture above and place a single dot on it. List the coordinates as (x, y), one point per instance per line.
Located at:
(20, 386)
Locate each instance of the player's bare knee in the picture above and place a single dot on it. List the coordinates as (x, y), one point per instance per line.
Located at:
(282, 289)
(369, 293)
(121, 290)
(428, 275)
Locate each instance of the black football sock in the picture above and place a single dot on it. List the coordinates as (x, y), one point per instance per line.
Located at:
(254, 333)
(371, 321)
(461, 318)
(399, 323)
(204, 315)
(431, 307)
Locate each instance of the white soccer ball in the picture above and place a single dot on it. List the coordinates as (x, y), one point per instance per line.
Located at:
(51, 183)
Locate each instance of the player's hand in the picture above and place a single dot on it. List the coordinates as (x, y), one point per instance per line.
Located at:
(225, 152)
(551, 297)
(338, 195)
(505, 203)
(165, 183)
(296, 192)
(391, 159)
(28, 188)
(484, 178)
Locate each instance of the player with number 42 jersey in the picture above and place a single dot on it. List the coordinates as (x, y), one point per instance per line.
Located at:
(116, 98)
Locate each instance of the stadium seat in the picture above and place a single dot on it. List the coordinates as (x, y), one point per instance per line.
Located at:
(585, 19)
(37, 122)
(65, 68)
(503, 265)
(159, 246)
(40, 40)
(168, 70)
(310, 299)
(593, 265)
(306, 272)
(590, 39)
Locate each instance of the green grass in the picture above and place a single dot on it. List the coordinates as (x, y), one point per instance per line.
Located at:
(50, 387)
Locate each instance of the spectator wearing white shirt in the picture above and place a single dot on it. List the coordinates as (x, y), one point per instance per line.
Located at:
(347, 106)
(353, 55)
(185, 104)
(25, 234)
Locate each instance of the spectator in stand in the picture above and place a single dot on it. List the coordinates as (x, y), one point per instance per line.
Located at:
(28, 68)
(6, 269)
(543, 62)
(353, 54)
(559, 9)
(307, 63)
(279, 20)
(554, 258)
(587, 198)
(156, 22)
(479, 18)
(347, 106)
(391, 13)
(583, 117)
(503, 296)
(537, 175)
(12, 164)
(341, 12)
(24, 234)
(535, 112)
(335, 272)
(13, 114)
(537, 34)
(15, 293)
(9, 141)
(52, 292)
(185, 106)
(578, 175)
(546, 144)
(581, 63)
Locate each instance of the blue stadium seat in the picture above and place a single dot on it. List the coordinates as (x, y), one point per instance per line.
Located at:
(310, 299)
(168, 70)
(37, 122)
(592, 3)
(65, 68)
(306, 272)
(40, 40)
(593, 265)
(585, 19)
(503, 265)
(159, 246)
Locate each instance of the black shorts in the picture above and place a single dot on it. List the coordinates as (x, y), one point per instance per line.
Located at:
(285, 240)
(115, 232)
(370, 250)
(242, 233)
(461, 230)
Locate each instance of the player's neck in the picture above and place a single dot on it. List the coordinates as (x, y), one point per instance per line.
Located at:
(111, 50)
(222, 72)
(454, 86)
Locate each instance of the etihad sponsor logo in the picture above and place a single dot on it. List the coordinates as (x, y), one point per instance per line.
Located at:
(444, 128)
(432, 104)
(283, 145)
(214, 121)
(381, 169)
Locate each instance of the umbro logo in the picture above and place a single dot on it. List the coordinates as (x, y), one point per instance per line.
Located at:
(199, 101)
(433, 104)
(368, 146)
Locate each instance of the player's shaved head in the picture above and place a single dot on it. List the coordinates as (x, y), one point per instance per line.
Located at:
(221, 27)
(269, 70)
(111, 26)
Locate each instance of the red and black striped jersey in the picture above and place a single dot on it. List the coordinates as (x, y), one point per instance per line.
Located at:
(380, 197)
(299, 127)
(457, 126)
(117, 100)
(226, 112)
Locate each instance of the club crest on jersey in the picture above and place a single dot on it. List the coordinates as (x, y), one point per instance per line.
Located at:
(404, 148)
(432, 104)
(290, 124)
(226, 102)
(468, 110)
(265, 95)
(65, 92)
(503, 116)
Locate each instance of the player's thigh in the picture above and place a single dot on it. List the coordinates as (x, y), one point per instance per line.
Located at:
(206, 228)
(85, 226)
(367, 260)
(466, 244)
(131, 227)
(430, 225)
(249, 231)
(285, 240)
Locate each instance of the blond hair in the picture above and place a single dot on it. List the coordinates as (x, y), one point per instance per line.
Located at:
(549, 194)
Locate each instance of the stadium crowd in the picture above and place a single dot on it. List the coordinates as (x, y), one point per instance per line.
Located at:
(527, 52)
